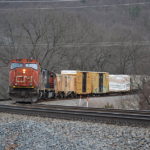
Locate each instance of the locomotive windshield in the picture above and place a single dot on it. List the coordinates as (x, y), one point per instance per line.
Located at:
(20, 65)
(16, 65)
(34, 66)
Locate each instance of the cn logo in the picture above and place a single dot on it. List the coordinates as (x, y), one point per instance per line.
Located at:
(23, 79)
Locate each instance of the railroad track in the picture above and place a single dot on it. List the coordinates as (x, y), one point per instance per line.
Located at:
(85, 96)
(5, 99)
(115, 116)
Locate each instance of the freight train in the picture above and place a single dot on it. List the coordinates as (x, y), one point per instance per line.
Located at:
(28, 82)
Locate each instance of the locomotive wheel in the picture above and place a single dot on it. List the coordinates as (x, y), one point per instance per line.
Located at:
(50, 95)
(34, 99)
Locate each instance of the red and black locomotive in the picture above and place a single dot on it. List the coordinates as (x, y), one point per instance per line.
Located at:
(28, 81)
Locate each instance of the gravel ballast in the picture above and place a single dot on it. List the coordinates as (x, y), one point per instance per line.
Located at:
(21, 132)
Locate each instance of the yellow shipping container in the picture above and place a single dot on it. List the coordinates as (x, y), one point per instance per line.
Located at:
(58, 84)
(68, 83)
(89, 82)
(99, 82)
(94, 82)
(105, 82)
(83, 83)
(65, 83)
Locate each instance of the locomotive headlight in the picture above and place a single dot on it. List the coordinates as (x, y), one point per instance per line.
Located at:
(24, 70)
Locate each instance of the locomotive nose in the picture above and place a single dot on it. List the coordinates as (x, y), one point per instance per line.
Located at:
(24, 77)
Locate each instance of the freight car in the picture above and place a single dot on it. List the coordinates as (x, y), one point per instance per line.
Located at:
(89, 83)
(65, 86)
(82, 81)
(119, 83)
(99, 83)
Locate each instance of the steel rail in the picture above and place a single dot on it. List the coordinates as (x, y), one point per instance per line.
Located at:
(61, 107)
(78, 113)
(5, 99)
(90, 108)
(112, 94)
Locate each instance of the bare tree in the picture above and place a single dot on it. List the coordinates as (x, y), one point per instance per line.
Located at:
(10, 46)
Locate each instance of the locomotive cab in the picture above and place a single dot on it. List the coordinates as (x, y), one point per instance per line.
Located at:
(24, 79)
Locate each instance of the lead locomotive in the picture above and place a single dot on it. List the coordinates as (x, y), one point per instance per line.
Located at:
(28, 82)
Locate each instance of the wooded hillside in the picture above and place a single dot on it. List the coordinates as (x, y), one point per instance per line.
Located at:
(97, 35)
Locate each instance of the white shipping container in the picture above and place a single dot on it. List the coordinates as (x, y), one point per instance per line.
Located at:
(119, 83)
(68, 72)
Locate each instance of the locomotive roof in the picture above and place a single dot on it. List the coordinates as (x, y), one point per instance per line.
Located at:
(24, 61)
